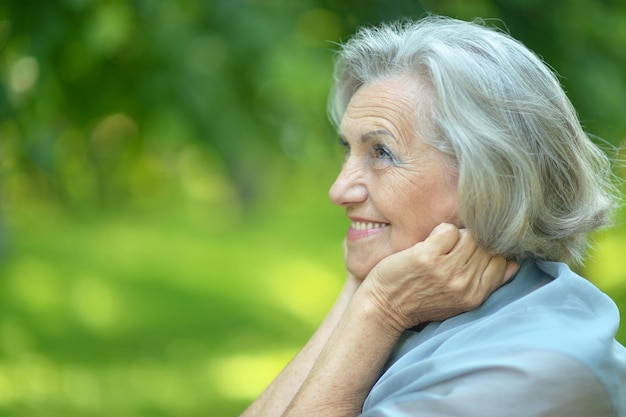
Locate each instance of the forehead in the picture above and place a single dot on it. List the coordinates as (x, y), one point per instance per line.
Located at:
(390, 103)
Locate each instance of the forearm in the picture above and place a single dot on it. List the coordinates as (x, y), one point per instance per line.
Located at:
(438, 278)
(348, 366)
(275, 399)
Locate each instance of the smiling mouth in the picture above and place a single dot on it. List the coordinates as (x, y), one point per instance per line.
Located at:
(367, 225)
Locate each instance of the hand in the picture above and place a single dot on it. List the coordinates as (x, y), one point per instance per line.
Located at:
(438, 278)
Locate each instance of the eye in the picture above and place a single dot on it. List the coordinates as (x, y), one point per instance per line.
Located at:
(380, 152)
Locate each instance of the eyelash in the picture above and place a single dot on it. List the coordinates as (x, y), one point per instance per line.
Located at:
(380, 149)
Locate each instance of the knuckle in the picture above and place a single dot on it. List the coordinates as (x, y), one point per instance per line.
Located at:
(458, 286)
(425, 261)
(448, 228)
(444, 229)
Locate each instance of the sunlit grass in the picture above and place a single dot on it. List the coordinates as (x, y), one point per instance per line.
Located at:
(244, 376)
(179, 311)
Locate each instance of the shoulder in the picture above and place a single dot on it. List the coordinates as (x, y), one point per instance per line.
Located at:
(530, 382)
(547, 336)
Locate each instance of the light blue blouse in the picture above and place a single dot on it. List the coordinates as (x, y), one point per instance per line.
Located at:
(542, 345)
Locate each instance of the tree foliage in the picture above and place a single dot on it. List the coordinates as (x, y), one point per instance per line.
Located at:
(98, 97)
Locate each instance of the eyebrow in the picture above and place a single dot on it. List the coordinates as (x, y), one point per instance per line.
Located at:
(367, 136)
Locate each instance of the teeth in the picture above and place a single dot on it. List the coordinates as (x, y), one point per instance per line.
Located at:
(367, 226)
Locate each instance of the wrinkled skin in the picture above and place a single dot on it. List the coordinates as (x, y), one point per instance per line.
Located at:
(391, 180)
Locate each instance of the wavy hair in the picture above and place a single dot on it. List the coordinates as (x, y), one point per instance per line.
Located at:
(530, 181)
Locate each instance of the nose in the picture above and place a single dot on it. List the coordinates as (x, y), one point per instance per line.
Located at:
(349, 188)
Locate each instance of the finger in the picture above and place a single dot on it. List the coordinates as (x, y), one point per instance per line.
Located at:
(482, 281)
(344, 247)
(465, 248)
(492, 277)
(479, 263)
(443, 238)
(470, 255)
(511, 269)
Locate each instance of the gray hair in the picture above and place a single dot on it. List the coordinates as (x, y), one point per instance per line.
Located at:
(530, 181)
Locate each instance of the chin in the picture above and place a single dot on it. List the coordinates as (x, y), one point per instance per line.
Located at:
(359, 269)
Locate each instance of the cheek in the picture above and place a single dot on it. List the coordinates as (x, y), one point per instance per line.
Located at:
(450, 200)
(427, 206)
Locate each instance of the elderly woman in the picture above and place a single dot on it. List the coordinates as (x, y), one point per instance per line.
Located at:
(468, 182)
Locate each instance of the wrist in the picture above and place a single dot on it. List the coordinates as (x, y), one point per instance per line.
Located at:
(376, 311)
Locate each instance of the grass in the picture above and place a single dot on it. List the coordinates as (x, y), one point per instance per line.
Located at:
(179, 312)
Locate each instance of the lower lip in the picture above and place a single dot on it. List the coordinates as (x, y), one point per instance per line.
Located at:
(354, 234)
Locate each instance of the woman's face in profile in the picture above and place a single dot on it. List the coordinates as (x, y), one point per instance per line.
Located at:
(395, 188)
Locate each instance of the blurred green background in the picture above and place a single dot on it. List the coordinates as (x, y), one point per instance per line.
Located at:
(166, 241)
